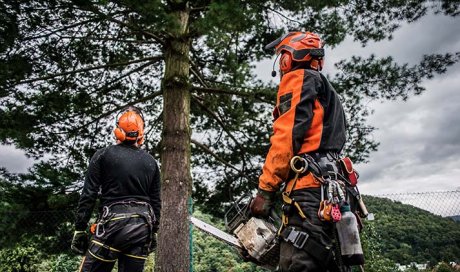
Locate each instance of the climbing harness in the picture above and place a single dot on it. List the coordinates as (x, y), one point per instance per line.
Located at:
(119, 211)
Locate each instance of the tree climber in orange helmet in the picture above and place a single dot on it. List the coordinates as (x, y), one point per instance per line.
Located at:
(309, 120)
(128, 180)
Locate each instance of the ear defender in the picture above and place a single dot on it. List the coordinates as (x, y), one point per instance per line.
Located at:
(285, 63)
(120, 135)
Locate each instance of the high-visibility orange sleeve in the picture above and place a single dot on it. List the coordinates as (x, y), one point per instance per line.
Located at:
(298, 127)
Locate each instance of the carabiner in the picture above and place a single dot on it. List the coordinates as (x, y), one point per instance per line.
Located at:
(99, 235)
(302, 169)
(105, 212)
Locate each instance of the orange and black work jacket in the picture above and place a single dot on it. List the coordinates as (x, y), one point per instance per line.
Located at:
(308, 118)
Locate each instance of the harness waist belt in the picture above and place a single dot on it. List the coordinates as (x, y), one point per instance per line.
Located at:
(126, 208)
(321, 164)
(302, 240)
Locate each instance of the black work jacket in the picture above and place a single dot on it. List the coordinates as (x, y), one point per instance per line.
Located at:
(120, 173)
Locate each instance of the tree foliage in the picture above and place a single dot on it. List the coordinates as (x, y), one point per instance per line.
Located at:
(68, 66)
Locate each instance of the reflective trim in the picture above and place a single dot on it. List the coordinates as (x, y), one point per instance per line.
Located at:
(99, 258)
(134, 256)
(106, 246)
(81, 264)
(123, 217)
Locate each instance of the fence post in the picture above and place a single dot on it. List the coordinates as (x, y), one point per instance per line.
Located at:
(190, 203)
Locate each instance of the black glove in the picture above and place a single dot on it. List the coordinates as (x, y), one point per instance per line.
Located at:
(155, 227)
(153, 242)
(262, 204)
(79, 242)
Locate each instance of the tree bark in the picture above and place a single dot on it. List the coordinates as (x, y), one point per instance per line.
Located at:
(173, 253)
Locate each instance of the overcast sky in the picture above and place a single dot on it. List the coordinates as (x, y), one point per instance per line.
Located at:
(419, 139)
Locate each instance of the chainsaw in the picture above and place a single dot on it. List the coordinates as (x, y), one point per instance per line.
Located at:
(255, 238)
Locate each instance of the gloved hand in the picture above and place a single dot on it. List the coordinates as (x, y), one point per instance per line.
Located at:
(79, 242)
(262, 204)
(155, 227)
(153, 242)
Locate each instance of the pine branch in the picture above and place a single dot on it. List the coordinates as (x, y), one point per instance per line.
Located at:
(215, 117)
(95, 10)
(117, 108)
(210, 152)
(215, 90)
(137, 28)
(86, 69)
(59, 30)
(107, 39)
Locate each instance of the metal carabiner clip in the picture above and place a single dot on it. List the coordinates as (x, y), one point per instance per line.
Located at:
(105, 212)
(97, 233)
(303, 168)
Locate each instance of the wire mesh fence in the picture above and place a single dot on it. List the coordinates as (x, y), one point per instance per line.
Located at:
(444, 203)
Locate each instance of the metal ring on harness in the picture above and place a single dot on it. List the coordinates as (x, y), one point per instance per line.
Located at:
(302, 169)
(105, 211)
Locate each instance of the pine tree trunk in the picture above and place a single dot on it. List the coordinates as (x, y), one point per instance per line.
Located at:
(173, 253)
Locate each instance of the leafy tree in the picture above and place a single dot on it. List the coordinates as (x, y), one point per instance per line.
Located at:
(67, 66)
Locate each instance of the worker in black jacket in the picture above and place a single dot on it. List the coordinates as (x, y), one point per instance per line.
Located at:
(128, 181)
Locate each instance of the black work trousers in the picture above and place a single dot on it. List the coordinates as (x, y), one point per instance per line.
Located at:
(125, 240)
(293, 259)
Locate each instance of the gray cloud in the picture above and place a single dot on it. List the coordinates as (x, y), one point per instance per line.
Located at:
(14, 159)
(420, 140)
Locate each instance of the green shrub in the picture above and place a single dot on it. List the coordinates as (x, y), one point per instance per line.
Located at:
(19, 259)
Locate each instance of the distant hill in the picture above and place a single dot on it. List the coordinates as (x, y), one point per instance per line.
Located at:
(456, 218)
(409, 234)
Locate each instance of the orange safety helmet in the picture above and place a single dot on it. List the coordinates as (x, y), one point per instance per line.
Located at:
(130, 125)
(299, 47)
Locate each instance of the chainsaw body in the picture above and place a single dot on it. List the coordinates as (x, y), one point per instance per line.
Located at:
(258, 237)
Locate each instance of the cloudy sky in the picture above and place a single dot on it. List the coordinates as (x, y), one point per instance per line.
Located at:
(419, 139)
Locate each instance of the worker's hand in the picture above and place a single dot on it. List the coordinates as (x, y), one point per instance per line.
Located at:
(155, 226)
(262, 204)
(153, 242)
(79, 242)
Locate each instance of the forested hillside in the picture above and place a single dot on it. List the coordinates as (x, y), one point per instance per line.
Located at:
(409, 234)
(399, 234)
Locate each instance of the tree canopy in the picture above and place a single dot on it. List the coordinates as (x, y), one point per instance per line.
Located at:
(68, 66)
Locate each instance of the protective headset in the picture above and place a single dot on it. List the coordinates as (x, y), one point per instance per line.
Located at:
(298, 48)
(130, 125)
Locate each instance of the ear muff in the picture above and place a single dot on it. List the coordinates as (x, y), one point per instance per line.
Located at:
(120, 135)
(285, 63)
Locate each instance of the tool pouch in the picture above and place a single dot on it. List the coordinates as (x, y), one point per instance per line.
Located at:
(348, 171)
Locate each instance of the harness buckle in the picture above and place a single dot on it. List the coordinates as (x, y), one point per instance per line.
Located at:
(297, 238)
